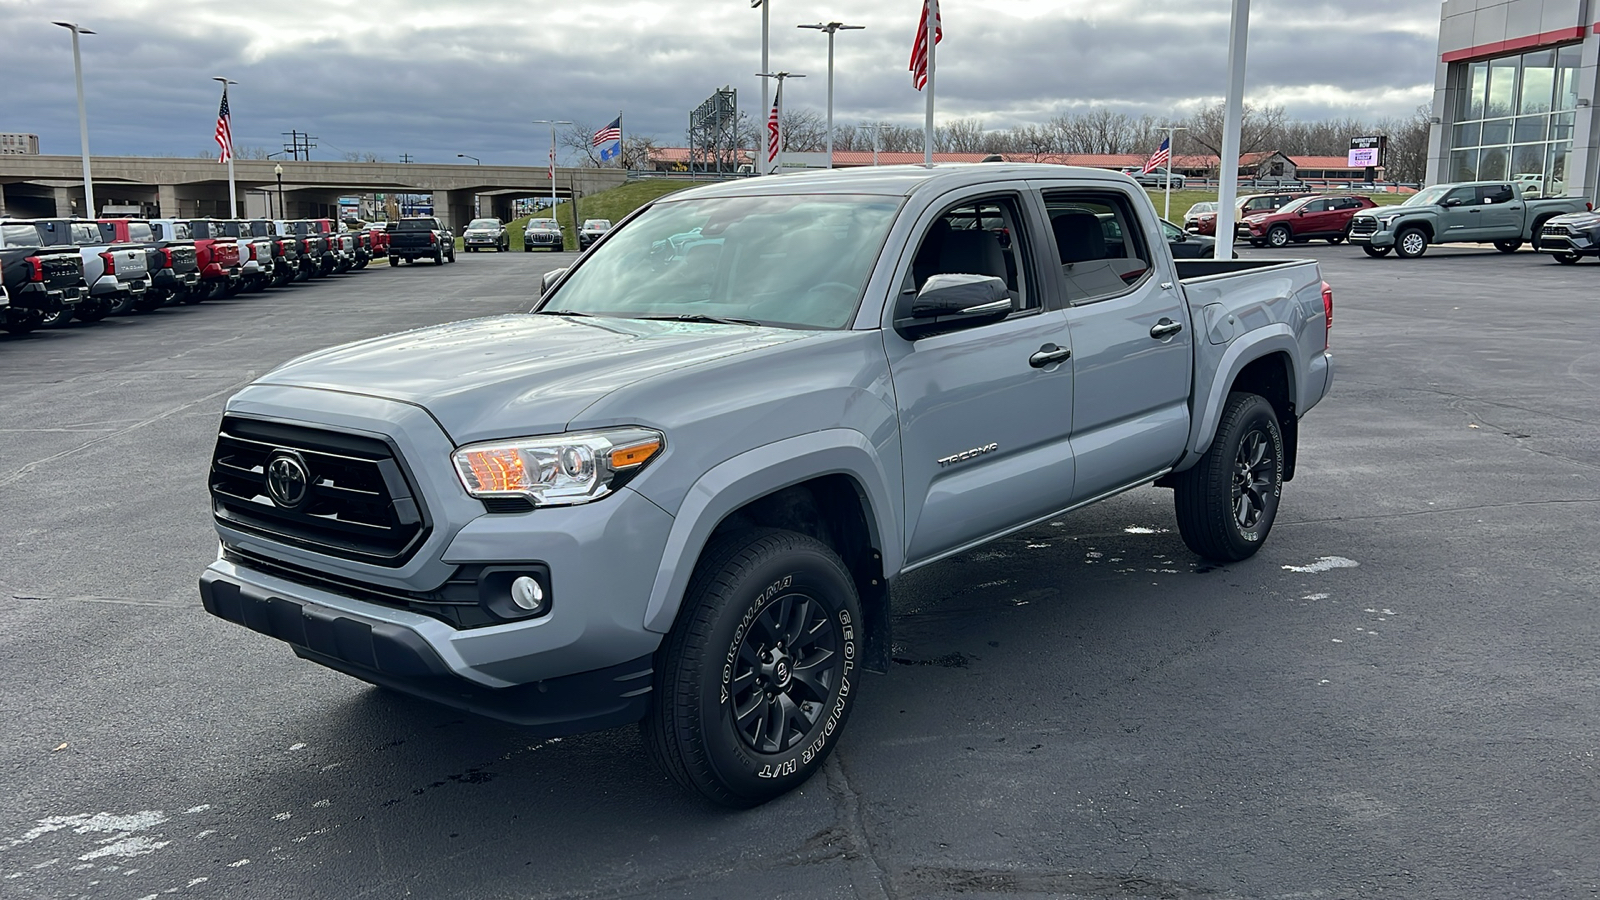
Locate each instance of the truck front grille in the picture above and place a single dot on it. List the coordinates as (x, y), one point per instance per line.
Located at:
(1363, 226)
(340, 494)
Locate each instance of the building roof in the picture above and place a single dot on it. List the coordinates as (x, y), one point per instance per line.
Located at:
(853, 158)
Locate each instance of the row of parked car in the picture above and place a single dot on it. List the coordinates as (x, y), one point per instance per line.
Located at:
(1487, 212)
(55, 271)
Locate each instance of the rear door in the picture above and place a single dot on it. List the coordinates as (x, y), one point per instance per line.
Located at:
(1131, 332)
(1500, 211)
(985, 412)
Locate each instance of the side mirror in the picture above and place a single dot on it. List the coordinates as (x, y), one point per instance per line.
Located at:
(549, 280)
(951, 301)
(1453, 201)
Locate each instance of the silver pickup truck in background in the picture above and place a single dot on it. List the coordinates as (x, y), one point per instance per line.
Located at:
(678, 491)
(1480, 212)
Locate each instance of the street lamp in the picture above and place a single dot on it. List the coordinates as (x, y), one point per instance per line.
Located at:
(766, 31)
(83, 117)
(831, 28)
(277, 170)
(233, 195)
(553, 123)
(467, 156)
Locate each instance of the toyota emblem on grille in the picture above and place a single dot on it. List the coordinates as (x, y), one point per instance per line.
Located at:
(288, 482)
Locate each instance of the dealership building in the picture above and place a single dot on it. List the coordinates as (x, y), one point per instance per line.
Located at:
(1514, 95)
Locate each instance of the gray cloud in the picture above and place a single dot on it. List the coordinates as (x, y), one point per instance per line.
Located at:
(440, 78)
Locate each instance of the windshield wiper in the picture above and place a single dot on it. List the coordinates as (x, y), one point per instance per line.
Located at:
(699, 317)
(565, 312)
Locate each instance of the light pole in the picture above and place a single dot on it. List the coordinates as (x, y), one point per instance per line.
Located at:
(877, 129)
(233, 195)
(776, 156)
(1172, 151)
(83, 116)
(766, 66)
(553, 123)
(1233, 115)
(277, 170)
(831, 28)
(467, 156)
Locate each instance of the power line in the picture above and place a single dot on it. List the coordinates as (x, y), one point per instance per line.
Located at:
(299, 142)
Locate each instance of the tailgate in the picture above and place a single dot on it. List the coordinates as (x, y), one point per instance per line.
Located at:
(61, 270)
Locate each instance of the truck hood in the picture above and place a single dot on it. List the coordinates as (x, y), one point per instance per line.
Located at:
(519, 374)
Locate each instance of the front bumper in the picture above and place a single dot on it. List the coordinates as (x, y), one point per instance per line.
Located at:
(1383, 236)
(1571, 242)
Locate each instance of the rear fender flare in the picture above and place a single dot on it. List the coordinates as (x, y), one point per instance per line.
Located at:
(1247, 349)
(754, 474)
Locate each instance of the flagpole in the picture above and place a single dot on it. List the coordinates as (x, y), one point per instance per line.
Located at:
(233, 194)
(933, 42)
(1172, 137)
(1228, 190)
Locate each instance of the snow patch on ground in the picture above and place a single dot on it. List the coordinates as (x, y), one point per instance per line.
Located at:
(1323, 564)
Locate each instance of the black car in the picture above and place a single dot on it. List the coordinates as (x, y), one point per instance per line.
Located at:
(1188, 245)
(35, 281)
(544, 233)
(592, 230)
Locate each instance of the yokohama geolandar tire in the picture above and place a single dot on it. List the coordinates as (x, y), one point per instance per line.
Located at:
(755, 682)
(1227, 502)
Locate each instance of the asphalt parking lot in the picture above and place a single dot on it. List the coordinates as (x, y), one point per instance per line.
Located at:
(1396, 698)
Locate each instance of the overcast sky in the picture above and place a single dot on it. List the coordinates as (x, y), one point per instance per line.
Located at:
(438, 78)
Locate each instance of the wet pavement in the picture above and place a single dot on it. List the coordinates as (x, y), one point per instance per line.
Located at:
(1395, 698)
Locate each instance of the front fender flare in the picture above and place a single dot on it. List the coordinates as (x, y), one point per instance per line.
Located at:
(757, 473)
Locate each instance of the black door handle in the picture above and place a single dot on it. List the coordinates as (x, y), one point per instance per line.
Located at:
(1047, 355)
(1165, 328)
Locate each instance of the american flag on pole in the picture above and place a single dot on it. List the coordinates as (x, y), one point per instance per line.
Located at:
(775, 127)
(919, 50)
(612, 132)
(224, 129)
(552, 173)
(1162, 157)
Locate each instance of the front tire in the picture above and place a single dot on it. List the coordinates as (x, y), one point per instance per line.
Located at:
(1336, 239)
(1566, 259)
(1278, 236)
(755, 682)
(1410, 243)
(1227, 502)
(1375, 252)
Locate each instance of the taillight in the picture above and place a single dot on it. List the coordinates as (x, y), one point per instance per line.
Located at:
(166, 257)
(38, 269)
(111, 262)
(433, 238)
(1327, 313)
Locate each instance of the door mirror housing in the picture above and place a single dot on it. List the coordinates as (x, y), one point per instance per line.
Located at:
(1453, 201)
(950, 302)
(549, 280)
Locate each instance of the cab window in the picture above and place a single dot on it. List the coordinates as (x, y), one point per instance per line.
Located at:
(1495, 193)
(1099, 243)
(982, 237)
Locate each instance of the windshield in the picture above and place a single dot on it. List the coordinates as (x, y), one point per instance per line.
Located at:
(596, 224)
(1428, 196)
(795, 260)
(1294, 205)
(1205, 206)
(542, 225)
(484, 223)
(21, 236)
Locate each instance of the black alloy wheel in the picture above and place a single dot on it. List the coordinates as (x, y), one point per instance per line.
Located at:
(755, 682)
(1226, 503)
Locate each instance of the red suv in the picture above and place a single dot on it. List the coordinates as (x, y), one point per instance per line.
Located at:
(1249, 204)
(1302, 220)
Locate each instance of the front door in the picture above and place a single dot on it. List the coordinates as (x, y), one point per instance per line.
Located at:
(1462, 218)
(985, 411)
(1131, 340)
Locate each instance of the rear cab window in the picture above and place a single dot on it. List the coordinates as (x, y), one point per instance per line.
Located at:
(1099, 243)
(20, 236)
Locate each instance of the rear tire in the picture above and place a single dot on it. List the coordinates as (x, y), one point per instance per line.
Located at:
(1508, 246)
(1375, 252)
(756, 680)
(1410, 243)
(1227, 502)
(20, 323)
(1538, 229)
(394, 262)
(1336, 239)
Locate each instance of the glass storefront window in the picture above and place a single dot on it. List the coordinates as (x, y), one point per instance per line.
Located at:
(1567, 60)
(1538, 82)
(1502, 86)
(1492, 164)
(1514, 119)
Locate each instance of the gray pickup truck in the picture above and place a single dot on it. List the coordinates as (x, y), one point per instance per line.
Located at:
(1481, 212)
(678, 491)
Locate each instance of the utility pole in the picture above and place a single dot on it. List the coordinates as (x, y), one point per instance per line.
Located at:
(299, 142)
(831, 28)
(406, 157)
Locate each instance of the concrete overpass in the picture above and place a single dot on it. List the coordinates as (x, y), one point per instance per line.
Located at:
(192, 187)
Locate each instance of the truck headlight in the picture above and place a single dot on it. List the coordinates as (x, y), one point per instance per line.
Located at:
(558, 470)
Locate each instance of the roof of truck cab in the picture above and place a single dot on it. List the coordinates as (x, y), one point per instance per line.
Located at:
(893, 180)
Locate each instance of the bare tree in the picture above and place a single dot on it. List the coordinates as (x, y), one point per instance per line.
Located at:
(1408, 145)
(959, 136)
(361, 156)
(578, 139)
(1261, 128)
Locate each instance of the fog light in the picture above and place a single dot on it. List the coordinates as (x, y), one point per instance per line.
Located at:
(526, 593)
